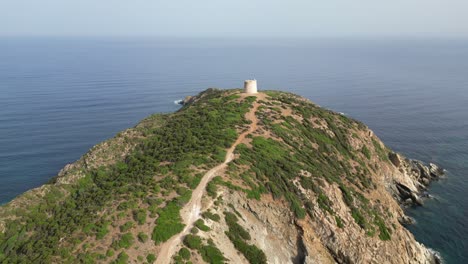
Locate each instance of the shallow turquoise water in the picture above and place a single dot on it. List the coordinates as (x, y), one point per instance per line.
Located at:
(59, 97)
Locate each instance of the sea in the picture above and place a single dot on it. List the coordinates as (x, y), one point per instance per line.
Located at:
(59, 96)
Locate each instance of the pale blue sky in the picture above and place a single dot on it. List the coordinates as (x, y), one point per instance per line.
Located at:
(224, 18)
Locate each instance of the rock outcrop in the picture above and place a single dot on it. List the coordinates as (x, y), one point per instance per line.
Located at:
(418, 175)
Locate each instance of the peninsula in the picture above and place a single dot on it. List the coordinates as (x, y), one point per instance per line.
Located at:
(234, 176)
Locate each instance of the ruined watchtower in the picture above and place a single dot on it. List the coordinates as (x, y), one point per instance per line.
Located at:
(250, 86)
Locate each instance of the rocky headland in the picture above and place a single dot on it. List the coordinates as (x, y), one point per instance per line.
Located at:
(229, 178)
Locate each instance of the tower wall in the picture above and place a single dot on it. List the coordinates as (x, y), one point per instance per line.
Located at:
(250, 86)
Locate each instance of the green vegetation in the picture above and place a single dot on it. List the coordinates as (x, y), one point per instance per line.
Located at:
(125, 227)
(209, 215)
(142, 237)
(234, 227)
(238, 236)
(270, 159)
(110, 253)
(139, 216)
(366, 152)
(235, 210)
(151, 258)
(385, 233)
(200, 224)
(359, 218)
(125, 241)
(383, 154)
(324, 203)
(122, 258)
(339, 222)
(211, 189)
(209, 252)
(168, 223)
(102, 229)
(193, 242)
(184, 253)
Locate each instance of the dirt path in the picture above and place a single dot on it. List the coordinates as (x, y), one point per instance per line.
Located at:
(191, 211)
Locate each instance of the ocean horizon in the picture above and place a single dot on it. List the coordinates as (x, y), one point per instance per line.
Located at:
(60, 96)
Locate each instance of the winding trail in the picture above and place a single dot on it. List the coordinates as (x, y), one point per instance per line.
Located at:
(191, 211)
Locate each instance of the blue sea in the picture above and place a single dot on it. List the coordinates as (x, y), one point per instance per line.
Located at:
(61, 96)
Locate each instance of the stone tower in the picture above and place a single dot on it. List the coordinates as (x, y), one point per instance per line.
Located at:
(250, 86)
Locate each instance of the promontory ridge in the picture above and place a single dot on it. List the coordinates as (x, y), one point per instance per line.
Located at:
(234, 176)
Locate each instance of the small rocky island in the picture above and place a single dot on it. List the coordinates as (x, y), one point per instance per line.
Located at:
(234, 176)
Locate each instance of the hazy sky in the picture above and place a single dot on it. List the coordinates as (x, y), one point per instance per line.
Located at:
(222, 18)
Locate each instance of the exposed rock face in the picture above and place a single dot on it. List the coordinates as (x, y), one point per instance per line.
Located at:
(418, 177)
(187, 100)
(436, 171)
(270, 224)
(315, 239)
(395, 159)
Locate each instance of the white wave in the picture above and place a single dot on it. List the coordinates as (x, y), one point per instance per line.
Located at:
(436, 254)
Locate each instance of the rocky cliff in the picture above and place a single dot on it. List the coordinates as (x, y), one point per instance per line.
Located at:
(280, 180)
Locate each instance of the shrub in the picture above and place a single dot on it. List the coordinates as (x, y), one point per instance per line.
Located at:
(212, 254)
(125, 227)
(201, 225)
(234, 227)
(324, 203)
(347, 195)
(125, 241)
(184, 198)
(122, 258)
(237, 234)
(151, 258)
(192, 241)
(168, 223)
(339, 222)
(178, 259)
(358, 218)
(384, 231)
(211, 189)
(110, 253)
(102, 230)
(209, 215)
(184, 253)
(142, 237)
(139, 216)
(251, 252)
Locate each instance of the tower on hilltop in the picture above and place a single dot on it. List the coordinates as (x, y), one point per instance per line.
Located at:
(250, 86)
